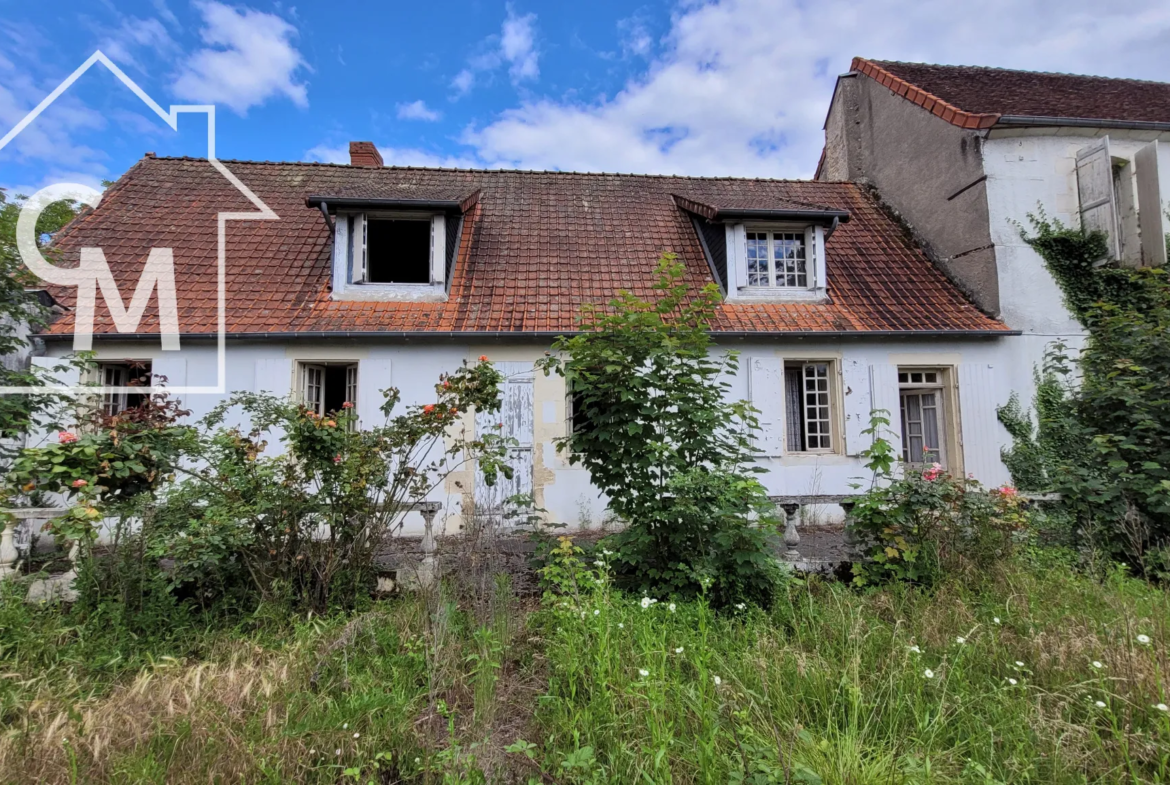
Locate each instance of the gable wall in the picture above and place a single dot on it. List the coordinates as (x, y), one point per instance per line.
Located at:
(918, 163)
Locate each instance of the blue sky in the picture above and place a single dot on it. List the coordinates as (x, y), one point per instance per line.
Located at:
(735, 87)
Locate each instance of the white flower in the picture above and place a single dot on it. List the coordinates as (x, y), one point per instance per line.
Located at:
(606, 552)
(643, 672)
(928, 673)
(1161, 707)
(719, 681)
(996, 620)
(312, 752)
(596, 612)
(670, 607)
(357, 735)
(1097, 664)
(1013, 682)
(645, 603)
(1143, 640)
(345, 726)
(621, 626)
(1100, 704)
(417, 761)
(337, 751)
(653, 601)
(739, 606)
(582, 614)
(914, 649)
(960, 640)
(1019, 664)
(679, 650)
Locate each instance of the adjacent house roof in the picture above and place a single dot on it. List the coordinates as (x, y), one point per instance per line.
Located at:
(977, 97)
(534, 248)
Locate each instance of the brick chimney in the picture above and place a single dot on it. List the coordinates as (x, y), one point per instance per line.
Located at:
(364, 154)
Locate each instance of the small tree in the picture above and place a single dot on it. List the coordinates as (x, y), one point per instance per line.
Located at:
(664, 443)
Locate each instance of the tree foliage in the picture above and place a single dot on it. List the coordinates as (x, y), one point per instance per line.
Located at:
(664, 442)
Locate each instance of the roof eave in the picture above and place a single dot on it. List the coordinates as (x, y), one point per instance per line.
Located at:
(1026, 121)
(351, 202)
(815, 216)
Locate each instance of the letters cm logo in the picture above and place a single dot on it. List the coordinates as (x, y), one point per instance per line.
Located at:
(94, 273)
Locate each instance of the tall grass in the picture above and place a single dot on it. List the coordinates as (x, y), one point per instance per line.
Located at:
(829, 685)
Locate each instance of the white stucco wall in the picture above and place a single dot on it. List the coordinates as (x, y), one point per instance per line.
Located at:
(1027, 170)
(864, 378)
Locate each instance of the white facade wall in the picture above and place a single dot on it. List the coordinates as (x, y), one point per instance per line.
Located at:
(864, 377)
(1026, 171)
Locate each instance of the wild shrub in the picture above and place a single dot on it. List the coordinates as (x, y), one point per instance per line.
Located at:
(1106, 440)
(921, 524)
(665, 445)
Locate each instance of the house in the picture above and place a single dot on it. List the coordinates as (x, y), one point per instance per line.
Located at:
(377, 275)
(964, 154)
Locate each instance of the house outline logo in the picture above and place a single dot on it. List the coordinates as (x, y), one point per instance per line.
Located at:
(93, 273)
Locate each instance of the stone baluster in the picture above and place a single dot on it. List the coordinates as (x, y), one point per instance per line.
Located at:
(9, 556)
(427, 570)
(791, 536)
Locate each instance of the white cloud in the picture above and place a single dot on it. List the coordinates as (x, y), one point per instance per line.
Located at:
(742, 86)
(134, 34)
(515, 45)
(635, 36)
(250, 57)
(393, 156)
(417, 110)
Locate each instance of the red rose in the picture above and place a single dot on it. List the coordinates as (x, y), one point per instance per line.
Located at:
(483, 358)
(430, 407)
(337, 458)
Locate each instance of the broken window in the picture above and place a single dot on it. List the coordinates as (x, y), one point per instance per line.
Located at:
(123, 374)
(327, 387)
(394, 250)
(808, 407)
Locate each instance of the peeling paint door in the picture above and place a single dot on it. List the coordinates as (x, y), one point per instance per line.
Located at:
(515, 420)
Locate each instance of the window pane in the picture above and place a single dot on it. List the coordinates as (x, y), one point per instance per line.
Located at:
(794, 421)
(816, 410)
(788, 257)
(757, 259)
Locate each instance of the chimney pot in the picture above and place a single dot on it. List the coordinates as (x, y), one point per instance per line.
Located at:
(364, 154)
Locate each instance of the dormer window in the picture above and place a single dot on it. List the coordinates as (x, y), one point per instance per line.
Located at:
(394, 250)
(777, 259)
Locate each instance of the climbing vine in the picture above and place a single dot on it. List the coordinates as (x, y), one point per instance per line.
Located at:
(1104, 442)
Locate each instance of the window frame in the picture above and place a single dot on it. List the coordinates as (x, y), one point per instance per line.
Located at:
(304, 369)
(945, 409)
(834, 434)
(738, 288)
(357, 257)
(114, 403)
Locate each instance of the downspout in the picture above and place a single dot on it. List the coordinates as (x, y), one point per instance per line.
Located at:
(324, 208)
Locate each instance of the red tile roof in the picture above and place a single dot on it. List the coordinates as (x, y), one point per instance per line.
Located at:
(535, 247)
(977, 97)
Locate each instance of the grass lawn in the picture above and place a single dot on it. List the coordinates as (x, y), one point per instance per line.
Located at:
(1039, 674)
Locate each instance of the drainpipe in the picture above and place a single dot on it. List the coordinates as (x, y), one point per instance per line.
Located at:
(324, 208)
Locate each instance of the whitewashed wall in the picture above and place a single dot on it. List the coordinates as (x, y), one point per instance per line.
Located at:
(866, 379)
(1024, 172)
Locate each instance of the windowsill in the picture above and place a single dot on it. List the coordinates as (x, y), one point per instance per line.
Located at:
(392, 292)
(770, 294)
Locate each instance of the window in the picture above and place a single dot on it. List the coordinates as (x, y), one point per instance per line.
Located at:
(808, 407)
(123, 374)
(325, 387)
(921, 397)
(392, 250)
(777, 259)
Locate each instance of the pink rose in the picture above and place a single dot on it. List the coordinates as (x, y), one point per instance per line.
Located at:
(337, 458)
(80, 483)
(66, 438)
(347, 405)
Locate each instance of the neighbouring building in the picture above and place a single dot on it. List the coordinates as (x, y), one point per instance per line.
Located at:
(964, 154)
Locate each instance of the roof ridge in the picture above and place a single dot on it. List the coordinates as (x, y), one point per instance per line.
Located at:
(1020, 71)
(469, 170)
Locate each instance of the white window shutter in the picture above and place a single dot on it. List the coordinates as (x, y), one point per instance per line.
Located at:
(737, 253)
(766, 392)
(374, 376)
(274, 376)
(855, 379)
(978, 402)
(438, 249)
(1151, 220)
(883, 394)
(1095, 188)
(359, 247)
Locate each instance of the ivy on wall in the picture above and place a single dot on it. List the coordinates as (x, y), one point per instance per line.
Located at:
(1104, 442)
